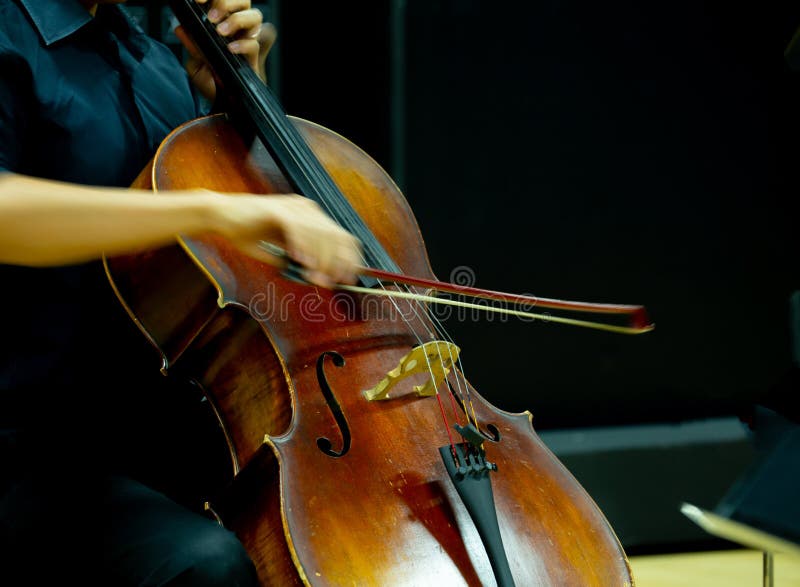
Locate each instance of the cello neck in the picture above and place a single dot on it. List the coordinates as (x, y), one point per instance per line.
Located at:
(255, 109)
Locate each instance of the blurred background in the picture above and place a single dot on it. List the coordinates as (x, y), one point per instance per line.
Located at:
(627, 152)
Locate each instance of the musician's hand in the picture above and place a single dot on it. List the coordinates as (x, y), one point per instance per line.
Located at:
(329, 254)
(247, 33)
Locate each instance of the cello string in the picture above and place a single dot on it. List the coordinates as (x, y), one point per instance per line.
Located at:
(413, 305)
(457, 367)
(442, 333)
(464, 395)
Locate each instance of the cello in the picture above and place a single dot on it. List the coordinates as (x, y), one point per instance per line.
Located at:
(359, 453)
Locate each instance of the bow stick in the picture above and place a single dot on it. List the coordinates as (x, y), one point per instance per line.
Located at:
(639, 321)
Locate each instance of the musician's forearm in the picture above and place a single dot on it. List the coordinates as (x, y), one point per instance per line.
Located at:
(46, 223)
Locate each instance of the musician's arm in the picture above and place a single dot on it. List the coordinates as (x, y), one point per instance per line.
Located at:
(44, 223)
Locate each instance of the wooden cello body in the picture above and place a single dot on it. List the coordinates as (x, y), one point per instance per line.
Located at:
(344, 466)
(269, 354)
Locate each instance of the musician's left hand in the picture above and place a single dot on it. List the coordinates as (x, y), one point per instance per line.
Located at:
(247, 33)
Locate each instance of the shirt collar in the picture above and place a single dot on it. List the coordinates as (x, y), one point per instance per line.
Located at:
(56, 19)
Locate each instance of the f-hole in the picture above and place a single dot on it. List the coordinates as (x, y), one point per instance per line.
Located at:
(324, 444)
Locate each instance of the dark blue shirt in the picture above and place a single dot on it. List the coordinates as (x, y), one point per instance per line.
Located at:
(84, 100)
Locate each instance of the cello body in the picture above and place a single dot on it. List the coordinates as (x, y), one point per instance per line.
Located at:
(328, 487)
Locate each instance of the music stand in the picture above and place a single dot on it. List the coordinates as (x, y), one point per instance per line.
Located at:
(745, 535)
(761, 510)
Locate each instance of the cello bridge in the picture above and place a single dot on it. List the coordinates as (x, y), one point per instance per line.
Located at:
(435, 358)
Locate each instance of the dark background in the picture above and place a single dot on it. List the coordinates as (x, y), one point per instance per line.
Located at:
(626, 152)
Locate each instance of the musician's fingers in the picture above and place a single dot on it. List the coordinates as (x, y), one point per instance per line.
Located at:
(266, 39)
(346, 259)
(247, 47)
(246, 23)
(267, 36)
(219, 10)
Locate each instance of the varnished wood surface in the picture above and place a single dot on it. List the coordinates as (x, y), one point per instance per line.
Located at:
(732, 568)
(384, 513)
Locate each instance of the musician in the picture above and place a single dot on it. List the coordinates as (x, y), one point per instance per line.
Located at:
(85, 99)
